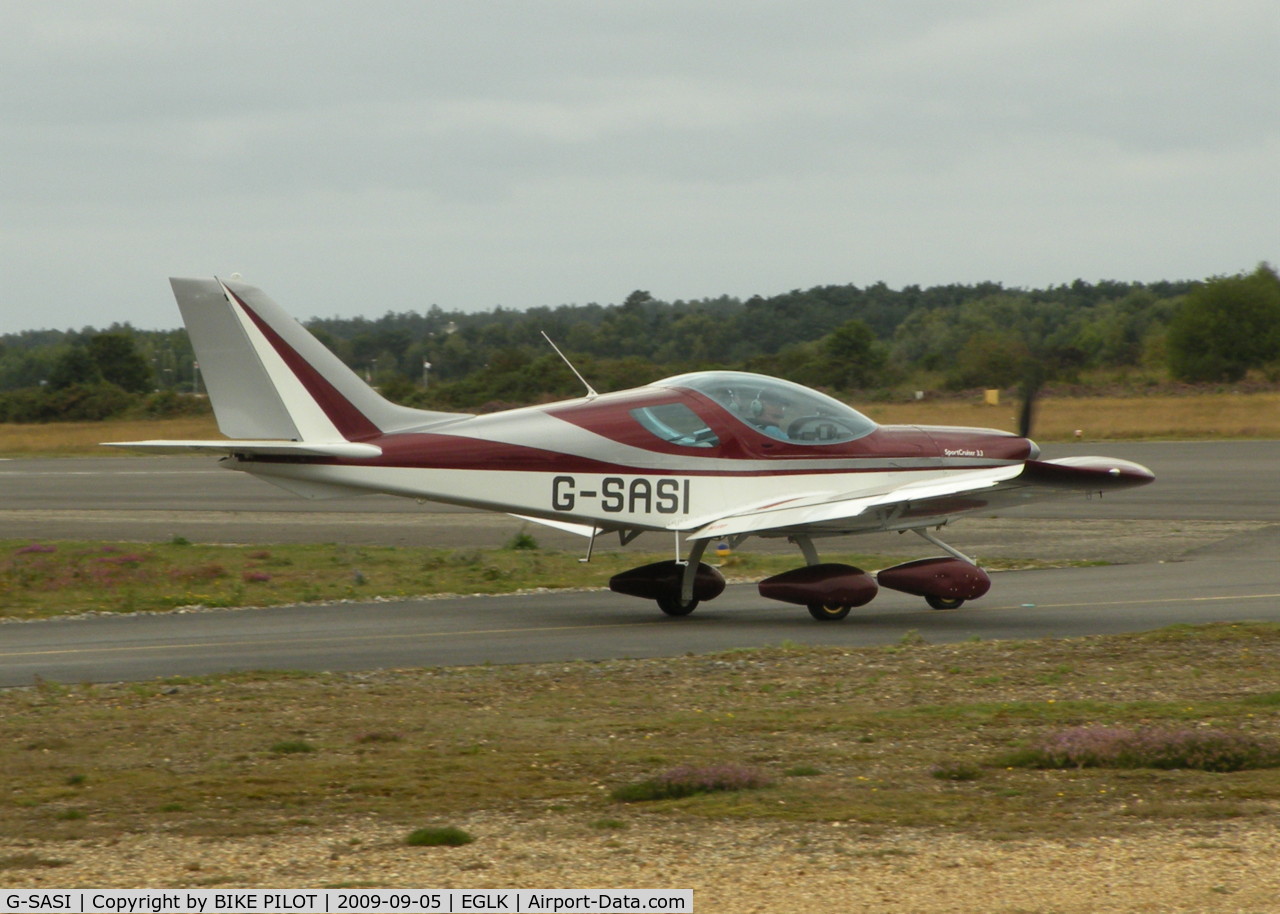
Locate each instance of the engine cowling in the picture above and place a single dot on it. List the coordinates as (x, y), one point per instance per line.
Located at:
(949, 578)
(829, 584)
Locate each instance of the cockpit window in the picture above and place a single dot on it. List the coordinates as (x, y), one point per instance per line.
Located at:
(780, 409)
(677, 424)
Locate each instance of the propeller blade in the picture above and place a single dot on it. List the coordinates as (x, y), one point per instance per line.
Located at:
(1031, 384)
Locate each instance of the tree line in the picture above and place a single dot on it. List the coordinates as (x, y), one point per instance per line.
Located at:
(841, 338)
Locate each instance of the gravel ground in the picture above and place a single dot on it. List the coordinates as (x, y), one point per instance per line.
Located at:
(732, 867)
(744, 867)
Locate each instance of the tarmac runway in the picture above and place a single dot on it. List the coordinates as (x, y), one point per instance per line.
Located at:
(1201, 544)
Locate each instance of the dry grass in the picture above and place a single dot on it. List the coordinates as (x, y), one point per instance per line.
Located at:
(39, 580)
(844, 735)
(83, 439)
(1107, 418)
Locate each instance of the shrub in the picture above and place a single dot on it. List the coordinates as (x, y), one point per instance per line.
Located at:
(688, 780)
(609, 825)
(29, 861)
(35, 548)
(803, 771)
(952, 770)
(521, 540)
(88, 402)
(1225, 327)
(438, 836)
(292, 746)
(168, 403)
(209, 571)
(1118, 747)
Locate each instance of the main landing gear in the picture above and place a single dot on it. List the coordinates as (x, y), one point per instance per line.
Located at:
(829, 590)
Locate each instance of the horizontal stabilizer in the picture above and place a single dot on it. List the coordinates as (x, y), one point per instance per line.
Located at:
(248, 446)
(562, 526)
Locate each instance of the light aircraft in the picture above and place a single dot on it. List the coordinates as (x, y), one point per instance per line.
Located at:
(705, 457)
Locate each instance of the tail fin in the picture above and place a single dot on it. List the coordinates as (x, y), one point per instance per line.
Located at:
(269, 378)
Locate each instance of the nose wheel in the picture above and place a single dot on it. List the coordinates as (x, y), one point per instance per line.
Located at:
(674, 606)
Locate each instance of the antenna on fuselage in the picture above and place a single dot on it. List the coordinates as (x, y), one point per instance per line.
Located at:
(591, 391)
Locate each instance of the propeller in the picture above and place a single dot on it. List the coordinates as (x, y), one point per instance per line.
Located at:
(1032, 381)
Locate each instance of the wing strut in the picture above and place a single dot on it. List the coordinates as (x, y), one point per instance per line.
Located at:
(925, 534)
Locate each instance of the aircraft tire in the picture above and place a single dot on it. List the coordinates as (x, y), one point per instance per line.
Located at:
(944, 602)
(673, 606)
(829, 612)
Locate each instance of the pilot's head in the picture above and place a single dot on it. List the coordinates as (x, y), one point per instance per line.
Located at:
(771, 408)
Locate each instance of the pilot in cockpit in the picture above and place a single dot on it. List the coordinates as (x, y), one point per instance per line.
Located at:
(779, 409)
(767, 412)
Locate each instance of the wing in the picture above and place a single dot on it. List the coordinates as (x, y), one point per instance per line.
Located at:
(934, 501)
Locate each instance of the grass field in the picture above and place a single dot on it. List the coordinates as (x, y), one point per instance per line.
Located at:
(40, 580)
(912, 735)
(1209, 415)
(1108, 418)
(83, 439)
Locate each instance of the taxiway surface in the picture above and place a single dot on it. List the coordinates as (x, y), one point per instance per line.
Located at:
(1202, 544)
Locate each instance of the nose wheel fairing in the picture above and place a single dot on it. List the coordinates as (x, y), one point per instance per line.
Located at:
(665, 583)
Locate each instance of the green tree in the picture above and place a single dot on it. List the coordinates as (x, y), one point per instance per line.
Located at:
(990, 360)
(1226, 327)
(75, 366)
(854, 356)
(120, 363)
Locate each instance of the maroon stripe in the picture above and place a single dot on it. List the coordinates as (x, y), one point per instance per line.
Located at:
(350, 422)
(427, 451)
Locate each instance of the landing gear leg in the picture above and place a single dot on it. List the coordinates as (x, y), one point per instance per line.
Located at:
(950, 550)
(685, 603)
(806, 549)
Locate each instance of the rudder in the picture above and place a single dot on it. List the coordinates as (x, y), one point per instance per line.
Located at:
(268, 377)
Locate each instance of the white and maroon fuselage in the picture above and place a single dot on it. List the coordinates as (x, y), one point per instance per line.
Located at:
(591, 462)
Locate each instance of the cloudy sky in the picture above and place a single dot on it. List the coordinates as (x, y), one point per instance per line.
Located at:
(389, 155)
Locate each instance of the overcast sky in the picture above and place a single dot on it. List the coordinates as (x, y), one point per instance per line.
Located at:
(357, 158)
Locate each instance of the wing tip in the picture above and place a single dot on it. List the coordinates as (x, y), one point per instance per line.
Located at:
(1088, 473)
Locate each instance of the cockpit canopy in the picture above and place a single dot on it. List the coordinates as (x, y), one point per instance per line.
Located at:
(780, 409)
